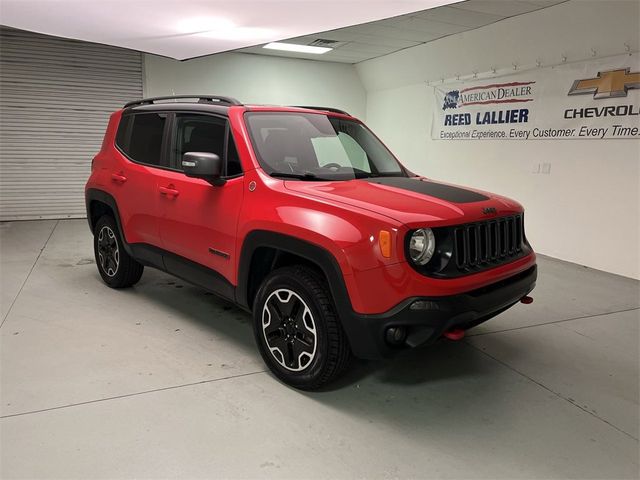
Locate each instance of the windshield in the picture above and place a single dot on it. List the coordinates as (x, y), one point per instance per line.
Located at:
(311, 146)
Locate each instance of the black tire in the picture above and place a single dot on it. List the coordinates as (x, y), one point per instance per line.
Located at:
(117, 268)
(325, 348)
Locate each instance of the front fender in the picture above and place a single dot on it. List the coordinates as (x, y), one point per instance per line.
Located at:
(351, 235)
(315, 253)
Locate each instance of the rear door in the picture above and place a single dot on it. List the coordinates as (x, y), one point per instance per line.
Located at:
(140, 139)
(199, 221)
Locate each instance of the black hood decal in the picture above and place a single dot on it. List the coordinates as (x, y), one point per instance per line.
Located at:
(433, 189)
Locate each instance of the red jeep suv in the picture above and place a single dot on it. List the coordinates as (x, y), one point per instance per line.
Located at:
(303, 217)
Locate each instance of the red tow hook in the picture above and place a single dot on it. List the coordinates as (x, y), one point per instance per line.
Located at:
(527, 300)
(455, 335)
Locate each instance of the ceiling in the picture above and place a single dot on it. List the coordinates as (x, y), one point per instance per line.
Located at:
(370, 40)
(185, 29)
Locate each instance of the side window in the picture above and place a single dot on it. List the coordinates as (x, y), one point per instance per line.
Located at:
(124, 133)
(140, 136)
(204, 133)
(198, 133)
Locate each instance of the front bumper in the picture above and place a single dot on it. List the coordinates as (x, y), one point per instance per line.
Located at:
(435, 316)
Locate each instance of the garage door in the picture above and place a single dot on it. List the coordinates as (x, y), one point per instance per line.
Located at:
(55, 99)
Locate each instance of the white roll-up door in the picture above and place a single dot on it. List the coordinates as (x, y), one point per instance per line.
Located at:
(56, 96)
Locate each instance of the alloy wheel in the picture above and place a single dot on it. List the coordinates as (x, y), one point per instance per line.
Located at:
(108, 251)
(289, 330)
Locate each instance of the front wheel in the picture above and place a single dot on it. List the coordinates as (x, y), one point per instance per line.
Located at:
(297, 330)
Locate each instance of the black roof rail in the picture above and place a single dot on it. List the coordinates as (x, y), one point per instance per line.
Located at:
(201, 99)
(326, 109)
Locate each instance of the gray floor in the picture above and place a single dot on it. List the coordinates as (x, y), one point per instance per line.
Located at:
(163, 380)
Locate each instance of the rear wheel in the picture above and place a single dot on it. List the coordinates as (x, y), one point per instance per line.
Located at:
(117, 268)
(297, 330)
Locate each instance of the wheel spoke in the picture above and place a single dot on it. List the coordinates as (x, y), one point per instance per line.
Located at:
(290, 356)
(305, 324)
(294, 307)
(278, 341)
(274, 309)
(304, 342)
(302, 352)
(280, 345)
(273, 330)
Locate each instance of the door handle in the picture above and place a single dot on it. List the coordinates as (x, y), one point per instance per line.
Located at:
(169, 191)
(118, 178)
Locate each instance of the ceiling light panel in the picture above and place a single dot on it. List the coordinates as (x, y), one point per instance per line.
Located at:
(294, 47)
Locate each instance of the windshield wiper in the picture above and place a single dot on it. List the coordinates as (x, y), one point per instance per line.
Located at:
(360, 174)
(298, 176)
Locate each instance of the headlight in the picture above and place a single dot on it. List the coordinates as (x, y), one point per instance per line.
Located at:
(422, 245)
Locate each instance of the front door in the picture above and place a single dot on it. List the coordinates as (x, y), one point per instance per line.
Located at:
(199, 220)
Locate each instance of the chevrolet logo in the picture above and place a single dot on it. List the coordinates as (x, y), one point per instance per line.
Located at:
(612, 83)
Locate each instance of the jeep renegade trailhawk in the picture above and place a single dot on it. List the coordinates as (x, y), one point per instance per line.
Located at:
(303, 217)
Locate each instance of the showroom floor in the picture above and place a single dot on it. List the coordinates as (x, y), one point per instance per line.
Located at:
(163, 380)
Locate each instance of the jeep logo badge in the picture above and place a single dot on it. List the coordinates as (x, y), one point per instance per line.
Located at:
(489, 210)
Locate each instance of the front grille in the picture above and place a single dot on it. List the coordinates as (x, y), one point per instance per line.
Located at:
(477, 246)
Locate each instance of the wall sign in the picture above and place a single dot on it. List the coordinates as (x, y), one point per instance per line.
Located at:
(597, 99)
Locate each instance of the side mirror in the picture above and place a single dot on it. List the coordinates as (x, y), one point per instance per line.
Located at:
(205, 165)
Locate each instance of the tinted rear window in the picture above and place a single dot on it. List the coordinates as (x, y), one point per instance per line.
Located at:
(140, 137)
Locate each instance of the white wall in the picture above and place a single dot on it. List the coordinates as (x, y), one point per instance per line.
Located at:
(587, 210)
(259, 79)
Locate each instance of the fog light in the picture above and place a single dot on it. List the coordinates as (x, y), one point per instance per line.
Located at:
(396, 335)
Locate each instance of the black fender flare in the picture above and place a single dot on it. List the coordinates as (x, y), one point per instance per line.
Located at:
(93, 195)
(315, 254)
(286, 243)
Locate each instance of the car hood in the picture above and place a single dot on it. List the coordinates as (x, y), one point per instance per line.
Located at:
(413, 201)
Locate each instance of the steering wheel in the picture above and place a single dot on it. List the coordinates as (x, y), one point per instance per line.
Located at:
(335, 166)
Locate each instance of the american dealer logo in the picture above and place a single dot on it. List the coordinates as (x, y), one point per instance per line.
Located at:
(495, 93)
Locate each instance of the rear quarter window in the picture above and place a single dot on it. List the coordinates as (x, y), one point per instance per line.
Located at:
(140, 137)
